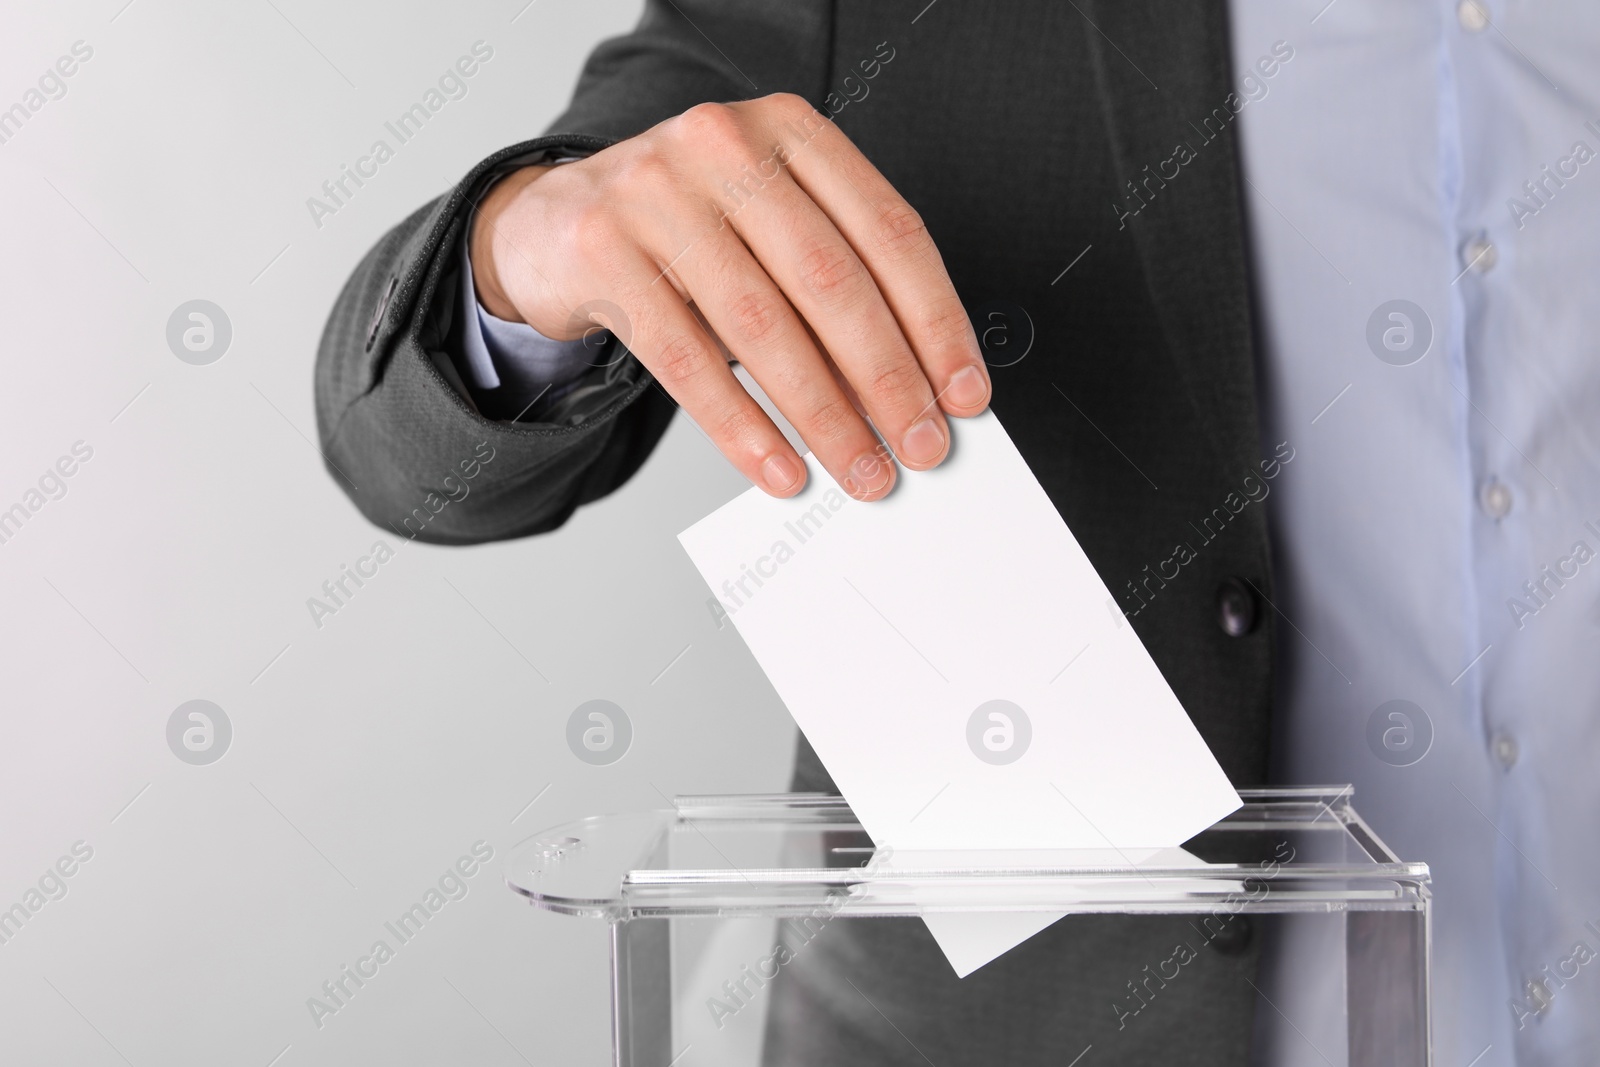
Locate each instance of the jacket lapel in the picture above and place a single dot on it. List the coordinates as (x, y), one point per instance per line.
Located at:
(1164, 72)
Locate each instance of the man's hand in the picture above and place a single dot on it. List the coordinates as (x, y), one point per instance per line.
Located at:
(760, 226)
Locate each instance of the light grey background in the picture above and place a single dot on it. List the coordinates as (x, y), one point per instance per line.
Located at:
(369, 754)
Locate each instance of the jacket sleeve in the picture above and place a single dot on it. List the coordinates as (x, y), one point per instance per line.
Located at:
(398, 429)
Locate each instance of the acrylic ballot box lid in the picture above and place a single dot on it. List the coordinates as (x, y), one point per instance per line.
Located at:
(1285, 850)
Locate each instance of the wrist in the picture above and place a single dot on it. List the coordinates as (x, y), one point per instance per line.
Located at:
(489, 241)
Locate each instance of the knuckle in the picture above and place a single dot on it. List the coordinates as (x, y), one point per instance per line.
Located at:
(896, 380)
(830, 420)
(737, 426)
(647, 169)
(713, 126)
(787, 105)
(945, 323)
(800, 119)
(785, 100)
(755, 318)
(901, 229)
(594, 228)
(830, 272)
(679, 359)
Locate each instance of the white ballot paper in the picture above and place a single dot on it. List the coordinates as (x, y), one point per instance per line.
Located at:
(962, 671)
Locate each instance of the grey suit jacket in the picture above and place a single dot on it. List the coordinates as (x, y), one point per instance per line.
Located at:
(1024, 136)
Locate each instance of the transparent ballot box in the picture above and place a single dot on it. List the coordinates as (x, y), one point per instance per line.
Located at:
(769, 930)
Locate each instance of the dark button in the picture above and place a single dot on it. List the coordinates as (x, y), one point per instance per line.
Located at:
(1233, 936)
(1236, 608)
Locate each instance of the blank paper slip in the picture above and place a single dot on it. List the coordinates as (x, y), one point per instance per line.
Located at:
(958, 664)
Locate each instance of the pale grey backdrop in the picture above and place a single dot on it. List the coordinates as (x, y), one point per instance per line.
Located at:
(369, 754)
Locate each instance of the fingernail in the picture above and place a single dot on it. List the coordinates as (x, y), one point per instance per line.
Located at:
(868, 474)
(968, 387)
(923, 443)
(780, 472)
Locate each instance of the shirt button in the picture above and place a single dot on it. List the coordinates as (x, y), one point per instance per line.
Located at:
(1478, 255)
(1505, 750)
(1236, 608)
(1539, 996)
(1495, 498)
(1473, 16)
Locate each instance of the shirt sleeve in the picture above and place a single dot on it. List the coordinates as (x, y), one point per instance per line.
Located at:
(511, 369)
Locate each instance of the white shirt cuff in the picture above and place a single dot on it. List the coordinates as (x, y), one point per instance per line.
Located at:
(492, 346)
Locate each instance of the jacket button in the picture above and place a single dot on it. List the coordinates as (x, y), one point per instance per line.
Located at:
(1236, 608)
(1233, 936)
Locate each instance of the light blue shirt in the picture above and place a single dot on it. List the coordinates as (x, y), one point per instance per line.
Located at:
(529, 367)
(496, 354)
(1401, 155)
(1436, 533)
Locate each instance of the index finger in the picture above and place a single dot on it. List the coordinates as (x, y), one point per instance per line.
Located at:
(893, 243)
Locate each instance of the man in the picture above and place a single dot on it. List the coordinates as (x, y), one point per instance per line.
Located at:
(1350, 241)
